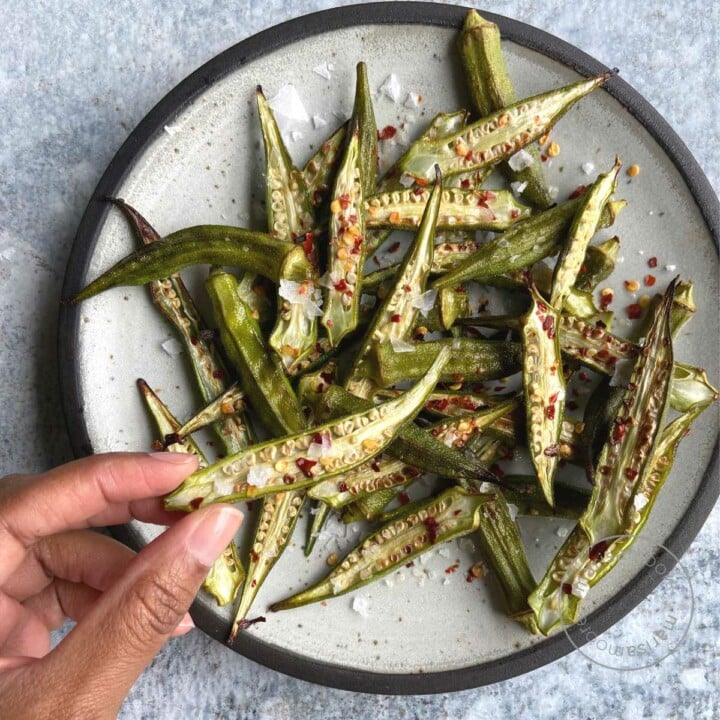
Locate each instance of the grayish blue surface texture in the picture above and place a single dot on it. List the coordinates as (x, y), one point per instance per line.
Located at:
(75, 78)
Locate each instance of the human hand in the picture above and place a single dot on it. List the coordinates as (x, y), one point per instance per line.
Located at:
(126, 605)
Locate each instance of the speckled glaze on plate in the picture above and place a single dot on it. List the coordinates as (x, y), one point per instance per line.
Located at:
(421, 635)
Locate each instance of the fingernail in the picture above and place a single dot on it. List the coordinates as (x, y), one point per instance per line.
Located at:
(173, 457)
(185, 626)
(215, 529)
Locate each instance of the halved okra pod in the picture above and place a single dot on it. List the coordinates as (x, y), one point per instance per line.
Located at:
(290, 218)
(413, 445)
(452, 514)
(584, 226)
(322, 166)
(261, 376)
(227, 573)
(524, 244)
(598, 265)
(394, 319)
(623, 462)
(459, 209)
(204, 245)
(491, 89)
(303, 459)
(580, 564)
(231, 402)
(275, 526)
(544, 387)
(173, 300)
(498, 136)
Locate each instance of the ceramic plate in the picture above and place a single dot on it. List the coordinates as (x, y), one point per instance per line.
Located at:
(197, 158)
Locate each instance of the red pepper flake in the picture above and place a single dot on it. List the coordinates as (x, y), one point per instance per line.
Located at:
(254, 556)
(553, 398)
(387, 132)
(218, 374)
(344, 201)
(305, 466)
(342, 486)
(514, 214)
(407, 288)
(604, 469)
(309, 244)
(582, 375)
(465, 183)
(605, 299)
(566, 588)
(457, 512)
(403, 498)
(543, 158)
(419, 191)
(634, 311)
(652, 262)
(194, 340)
(394, 247)
(340, 285)
(649, 280)
(395, 318)
(411, 563)
(288, 479)
(550, 412)
(597, 551)
(619, 432)
(433, 528)
(452, 568)
(577, 192)
(439, 405)
(630, 473)
(374, 465)
(549, 326)
(552, 450)
(329, 323)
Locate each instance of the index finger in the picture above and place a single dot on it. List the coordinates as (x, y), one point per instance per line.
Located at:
(76, 495)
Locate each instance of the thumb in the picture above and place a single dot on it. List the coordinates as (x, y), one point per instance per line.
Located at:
(106, 652)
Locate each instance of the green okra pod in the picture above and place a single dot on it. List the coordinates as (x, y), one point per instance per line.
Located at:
(226, 405)
(288, 463)
(321, 512)
(261, 376)
(452, 514)
(173, 300)
(363, 118)
(598, 265)
(584, 225)
(369, 506)
(395, 318)
(322, 166)
(204, 245)
(289, 211)
(471, 361)
(544, 387)
(459, 209)
(275, 526)
(522, 245)
(413, 445)
(227, 573)
(491, 89)
(498, 136)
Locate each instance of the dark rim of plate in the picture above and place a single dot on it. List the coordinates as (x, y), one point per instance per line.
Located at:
(386, 13)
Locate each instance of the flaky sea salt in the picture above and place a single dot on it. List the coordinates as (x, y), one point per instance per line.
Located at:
(553, 191)
(425, 302)
(318, 121)
(518, 188)
(391, 87)
(172, 347)
(580, 588)
(361, 605)
(520, 160)
(324, 70)
(172, 129)
(412, 100)
(587, 167)
(258, 475)
(512, 510)
(562, 531)
(303, 294)
(407, 180)
(640, 501)
(288, 108)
